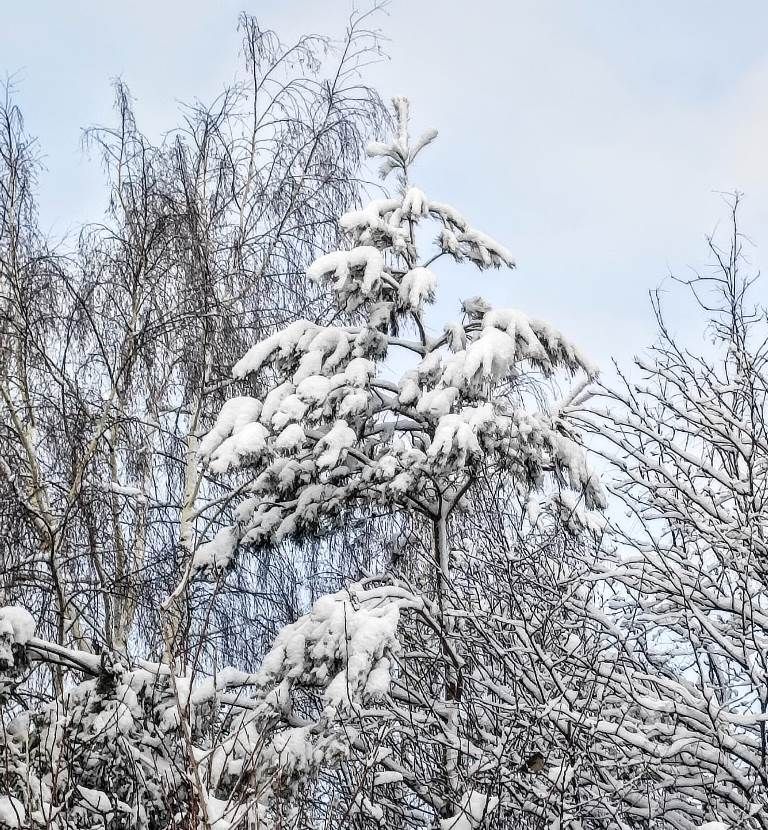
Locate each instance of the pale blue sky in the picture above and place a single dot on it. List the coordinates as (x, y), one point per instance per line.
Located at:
(590, 137)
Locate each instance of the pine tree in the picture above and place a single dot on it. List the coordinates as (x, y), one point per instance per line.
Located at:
(334, 438)
(332, 433)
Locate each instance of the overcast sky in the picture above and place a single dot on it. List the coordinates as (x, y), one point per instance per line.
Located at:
(591, 138)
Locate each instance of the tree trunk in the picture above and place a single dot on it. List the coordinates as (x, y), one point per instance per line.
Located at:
(451, 677)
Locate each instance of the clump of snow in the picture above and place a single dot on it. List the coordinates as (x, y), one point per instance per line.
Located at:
(225, 814)
(274, 401)
(354, 403)
(483, 250)
(380, 219)
(455, 336)
(233, 416)
(456, 442)
(417, 287)
(537, 340)
(490, 357)
(361, 268)
(291, 409)
(341, 645)
(216, 554)
(333, 446)
(235, 434)
(383, 778)
(313, 389)
(98, 801)
(19, 622)
(291, 438)
(248, 441)
(415, 203)
(283, 342)
(437, 402)
(473, 809)
(12, 812)
(114, 720)
(359, 371)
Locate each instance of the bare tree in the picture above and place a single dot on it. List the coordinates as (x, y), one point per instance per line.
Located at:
(688, 443)
(114, 351)
(114, 354)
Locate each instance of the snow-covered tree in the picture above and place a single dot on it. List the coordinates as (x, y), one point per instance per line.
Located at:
(149, 746)
(335, 439)
(687, 437)
(115, 343)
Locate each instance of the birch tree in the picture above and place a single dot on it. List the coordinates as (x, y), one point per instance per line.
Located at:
(113, 350)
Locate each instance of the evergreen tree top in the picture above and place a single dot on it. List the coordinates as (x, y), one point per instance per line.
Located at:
(333, 431)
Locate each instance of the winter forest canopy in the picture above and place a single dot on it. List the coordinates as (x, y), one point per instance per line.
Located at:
(281, 547)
